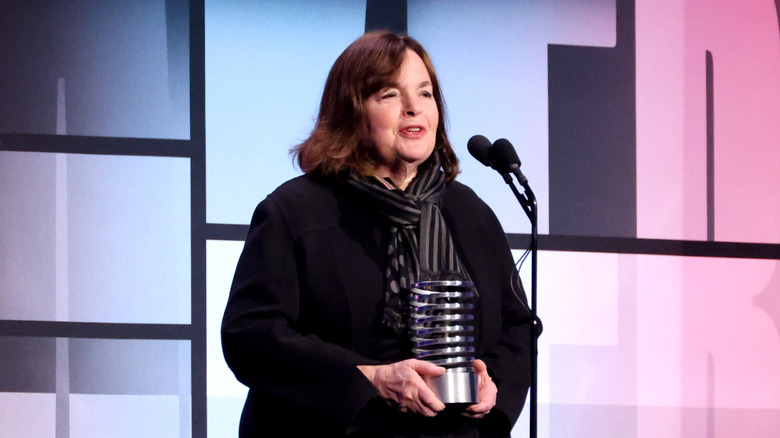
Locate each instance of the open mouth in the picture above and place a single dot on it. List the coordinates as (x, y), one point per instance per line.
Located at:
(413, 130)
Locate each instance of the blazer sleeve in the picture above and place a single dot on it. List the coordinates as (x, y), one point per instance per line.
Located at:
(260, 339)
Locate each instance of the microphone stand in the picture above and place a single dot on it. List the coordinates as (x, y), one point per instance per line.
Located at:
(527, 201)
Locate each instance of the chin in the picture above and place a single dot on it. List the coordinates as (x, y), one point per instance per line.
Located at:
(420, 155)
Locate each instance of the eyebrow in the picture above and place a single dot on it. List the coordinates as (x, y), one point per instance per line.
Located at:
(422, 84)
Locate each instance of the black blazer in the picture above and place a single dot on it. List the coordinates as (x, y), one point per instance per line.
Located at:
(306, 307)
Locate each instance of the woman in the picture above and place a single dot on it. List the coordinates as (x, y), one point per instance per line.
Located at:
(314, 324)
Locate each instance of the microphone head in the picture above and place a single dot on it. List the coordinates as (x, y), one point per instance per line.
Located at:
(505, 155)
(479, 147)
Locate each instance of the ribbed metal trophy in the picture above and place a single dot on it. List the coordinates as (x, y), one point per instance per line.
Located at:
(441, 325)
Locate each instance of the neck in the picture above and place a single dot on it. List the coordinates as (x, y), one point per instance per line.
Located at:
(401, 177)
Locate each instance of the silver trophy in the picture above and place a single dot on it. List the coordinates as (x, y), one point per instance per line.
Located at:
(441, 325)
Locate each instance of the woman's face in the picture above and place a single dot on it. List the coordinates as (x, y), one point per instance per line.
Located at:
(401, 120)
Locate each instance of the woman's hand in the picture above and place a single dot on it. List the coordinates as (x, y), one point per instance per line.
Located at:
(402, 384)
(486, 398)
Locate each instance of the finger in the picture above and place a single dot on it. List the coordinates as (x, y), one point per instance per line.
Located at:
(417, 396)
(479, 366)
(426, 397)
(429, 400)
(477, 411)
(424, 368)
(412, 392)
(475, 416)
(427, 410)
(482, 375)
(480, 369)
(485, 403)
(486, 399)
(481, 408)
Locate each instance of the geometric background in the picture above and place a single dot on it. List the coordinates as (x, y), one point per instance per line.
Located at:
(136, 138)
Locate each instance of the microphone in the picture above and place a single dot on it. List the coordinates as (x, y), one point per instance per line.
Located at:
(508, 159)
(501, 156)
(480, 148)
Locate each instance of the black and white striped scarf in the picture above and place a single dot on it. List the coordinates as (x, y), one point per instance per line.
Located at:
(420, 247)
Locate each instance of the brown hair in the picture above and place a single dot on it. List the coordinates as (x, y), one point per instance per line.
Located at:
(365, 67)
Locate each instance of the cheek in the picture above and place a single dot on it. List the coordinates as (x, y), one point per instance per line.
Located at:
(378, 136)
(378, 125)
(434, 124)
(433, 117)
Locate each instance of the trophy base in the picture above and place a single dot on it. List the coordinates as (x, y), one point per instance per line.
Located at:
(455, 387)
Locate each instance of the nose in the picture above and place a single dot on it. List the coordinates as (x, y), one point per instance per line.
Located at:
(411, 106)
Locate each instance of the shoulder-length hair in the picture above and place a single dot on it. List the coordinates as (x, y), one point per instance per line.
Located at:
(369, 64)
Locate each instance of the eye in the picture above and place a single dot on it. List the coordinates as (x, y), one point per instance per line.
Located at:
(388, 94)
(426, 93)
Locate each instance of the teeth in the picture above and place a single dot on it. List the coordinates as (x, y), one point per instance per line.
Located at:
(414, 129)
